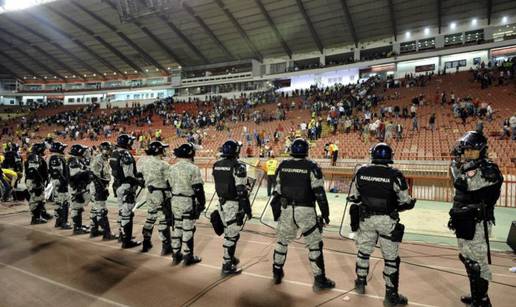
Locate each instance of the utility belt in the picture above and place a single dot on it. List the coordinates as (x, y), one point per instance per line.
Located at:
(463, 220)
(366, 212)
(151, 189)
(288, 202)
(182, 195)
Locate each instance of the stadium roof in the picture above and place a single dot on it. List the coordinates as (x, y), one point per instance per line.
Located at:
(63, 38)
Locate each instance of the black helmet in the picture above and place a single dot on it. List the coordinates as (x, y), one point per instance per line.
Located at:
(78, 150)
(125, 141)
(156, 148)
(186, 150)
(58, 147)
(231, 149)
(105, 147)
(381, 153)
(38, 148)
(299, 148)
(472, 140)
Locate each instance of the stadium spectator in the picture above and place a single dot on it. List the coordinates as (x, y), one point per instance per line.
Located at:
(512, 122)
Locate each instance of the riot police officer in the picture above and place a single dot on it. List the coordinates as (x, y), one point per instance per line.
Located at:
(125, 182)
(59, 174)
(155, 173)
(378, 193)
(230, 177)
(80, 179)
(36, 176)
(188, 201)
(477, 182)
(101, 176)
(299, 184)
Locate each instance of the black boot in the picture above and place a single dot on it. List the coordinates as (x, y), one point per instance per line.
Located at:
(392, 297)
(321, 282)
(477, 284)
(360, 284)
(277, 274)
(229, 268)
(127, 240)
(94, 225)
(59, 214)
(147, 236)
(177, 258)
(44, 214)
(106, 229)
(166, 246)
(77, 224)
(190, 259)
(64, 217)
(36, 217)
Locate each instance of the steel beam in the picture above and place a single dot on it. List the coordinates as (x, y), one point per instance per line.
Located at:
(283, 43)
(315, 37)
(349, 22)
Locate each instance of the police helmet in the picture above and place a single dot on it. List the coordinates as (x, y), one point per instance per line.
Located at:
(156, 148)
(125, 141)
(299, 148)
(58, 147)
(186, 150)
(231, 149)
(38, 148)
(473, 140)
(381, 153)
(78, 150)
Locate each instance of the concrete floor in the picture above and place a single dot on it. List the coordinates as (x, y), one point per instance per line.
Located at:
(42, 266)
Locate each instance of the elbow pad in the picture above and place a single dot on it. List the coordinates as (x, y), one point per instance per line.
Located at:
(405, 206)
(199, 194)
(322, 201)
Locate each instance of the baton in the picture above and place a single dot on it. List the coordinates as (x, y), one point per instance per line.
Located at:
(486, 232)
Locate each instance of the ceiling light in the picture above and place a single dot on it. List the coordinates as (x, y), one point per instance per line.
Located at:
(474, 22)
(45, 77)
(66, 77)
(125, 72)
(407, 34)
(157, 69)
(505, 19)
(105, 73)
(34, 78)
(94, 75)
(135, 71)
(453, 25)
(427, 30)
(55, 77)
(146, 70)
(85, 75)
(114, 73)
(168, 68)
(179, 66)
(73, 76)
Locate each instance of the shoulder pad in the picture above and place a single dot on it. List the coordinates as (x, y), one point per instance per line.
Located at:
(491, 172)
(126, 157)
(316, 170)
(240, 170)
(401, 179)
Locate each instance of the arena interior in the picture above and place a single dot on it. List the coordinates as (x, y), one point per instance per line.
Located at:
(423, 77)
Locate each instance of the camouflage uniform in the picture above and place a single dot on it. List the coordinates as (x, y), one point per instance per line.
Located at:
(230, 184)
(381, 192)
(156, 172)
(123, 169)
(477, 189)
(303, 178)
(80, 189)
(183, 176)
(99, 213)
(59, 175)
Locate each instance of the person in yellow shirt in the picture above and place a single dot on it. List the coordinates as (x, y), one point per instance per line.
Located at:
(8, 181)
(271, 166)
(334, 150)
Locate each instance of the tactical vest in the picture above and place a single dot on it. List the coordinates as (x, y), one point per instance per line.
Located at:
(375, 185)
(116, 167)
(223, 171)
(32, 168)
(295, 181)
